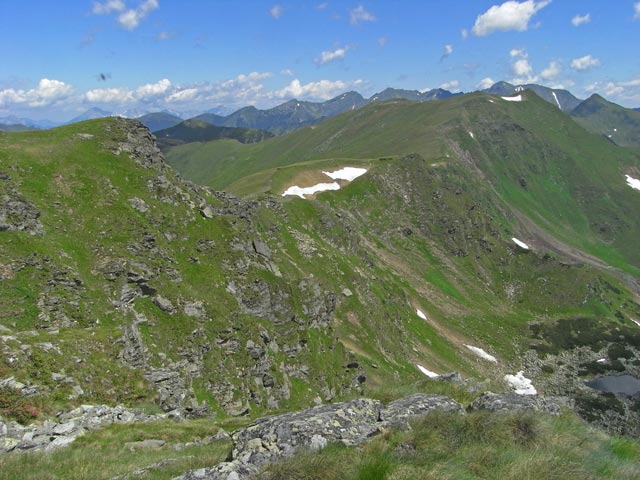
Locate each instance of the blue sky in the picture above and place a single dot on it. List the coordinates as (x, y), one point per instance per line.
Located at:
(61, 58)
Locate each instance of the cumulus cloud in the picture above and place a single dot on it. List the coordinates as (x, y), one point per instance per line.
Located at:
(360, 15)
(553, 70)
(446, 51)
(451, 85)
(511, 15)
(47, 93)
(330, 56)
(276, 11)
(580, 19)
(109, 95)
(130, 19)
(485, 83)
(585, 63)
(107, 7)
(521, 67)
(636, 9)
(517, 52)
(320, 90)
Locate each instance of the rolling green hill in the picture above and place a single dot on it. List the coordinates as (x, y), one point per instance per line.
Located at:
(621, 125)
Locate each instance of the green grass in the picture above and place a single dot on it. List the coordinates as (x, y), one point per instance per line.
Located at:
(479, 445)
(102, 454)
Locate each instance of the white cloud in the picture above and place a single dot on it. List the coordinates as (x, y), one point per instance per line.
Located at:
(522, 67)
(447, 50)
(183, 95)
(107, 7)
(485, 83)
(153, 89)
(109, 95)
(382, 41)
(130, 19)
(286, 71)
(320, 90)
(464, 33)
(452, 85)
(47, 93)
(552, 71)
(518, 52)
(322, 6)
(511, 15)
(584, 63)
(359, 15)
(330, 56)
(636, 9)
(276, 11)
(580, 19)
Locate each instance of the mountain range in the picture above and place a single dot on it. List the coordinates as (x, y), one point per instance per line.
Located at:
(485, 241)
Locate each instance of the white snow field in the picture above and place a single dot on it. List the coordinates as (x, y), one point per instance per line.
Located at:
(633, 182)
(517, 98)
(421, 314)
(346, 173)
(428, 373)
(521, 384)
(319, 187)
(520, 243)
(556, 99)
(481, 353)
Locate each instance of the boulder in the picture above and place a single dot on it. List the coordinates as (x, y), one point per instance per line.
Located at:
(512, 402)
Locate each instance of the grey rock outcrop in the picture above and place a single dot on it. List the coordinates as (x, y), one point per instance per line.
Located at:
(351, 423)
(512, 402)
(67, 427)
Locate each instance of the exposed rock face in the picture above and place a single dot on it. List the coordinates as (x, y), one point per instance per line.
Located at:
(141, 145)
(512, 402)
(69, 426)
(351, 423)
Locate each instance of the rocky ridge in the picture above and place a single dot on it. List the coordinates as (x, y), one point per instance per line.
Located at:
(350, 423)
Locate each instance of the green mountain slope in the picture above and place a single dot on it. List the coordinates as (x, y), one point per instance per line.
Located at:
(552, 172)
(191, 131)
(621, 125)
(119, 275)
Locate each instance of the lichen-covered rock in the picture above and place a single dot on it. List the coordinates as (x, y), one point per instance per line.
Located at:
(512, 402)
(397, 414)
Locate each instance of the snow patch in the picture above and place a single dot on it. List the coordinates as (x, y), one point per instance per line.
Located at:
(471, 135)
(346, 173)
(320, 187)
(428, 373)
(521, 384)
(556, 99)
(602, 360)
(519, 88)
(615, 129)
(636, 322)
(421, 314)
(633, 182)
(481, 353)
(517, 98)
(520, 243)
(491, 101)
